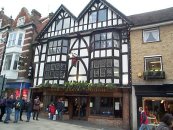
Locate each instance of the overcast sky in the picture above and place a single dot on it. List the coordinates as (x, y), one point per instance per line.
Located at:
(127, 7)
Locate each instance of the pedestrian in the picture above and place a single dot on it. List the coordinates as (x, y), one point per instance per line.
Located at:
(52, 110)
(2, 107)
(36, 108)
(166, 122)
(17, 106)
(143, 120)
(22, 100)
(28, 105)
(60, 108)
(9, 106)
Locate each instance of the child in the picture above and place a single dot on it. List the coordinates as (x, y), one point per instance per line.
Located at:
(52, 110)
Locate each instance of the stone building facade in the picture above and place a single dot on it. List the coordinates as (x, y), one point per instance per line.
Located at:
(152, 66)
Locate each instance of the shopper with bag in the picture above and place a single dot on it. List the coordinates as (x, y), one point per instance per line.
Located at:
(52, 110)
(36, 108)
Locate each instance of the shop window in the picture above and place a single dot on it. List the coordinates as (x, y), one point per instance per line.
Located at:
(153, 63)
(151, 35)
(106, 106)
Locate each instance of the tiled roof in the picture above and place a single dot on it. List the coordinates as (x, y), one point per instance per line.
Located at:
(153, 17)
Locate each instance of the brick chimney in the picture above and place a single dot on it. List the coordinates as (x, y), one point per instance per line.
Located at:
(2, 11)
(35, 14)
(51, 14)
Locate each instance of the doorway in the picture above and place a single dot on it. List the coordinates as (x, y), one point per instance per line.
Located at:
(79, 108)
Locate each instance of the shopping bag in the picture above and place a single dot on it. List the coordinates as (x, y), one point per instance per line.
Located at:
(54, 117)
(49, 115)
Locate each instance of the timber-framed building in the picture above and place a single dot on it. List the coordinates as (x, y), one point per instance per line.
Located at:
(93, 48)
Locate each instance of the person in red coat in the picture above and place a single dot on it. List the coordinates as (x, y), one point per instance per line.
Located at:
(52, 110)
(143, 120)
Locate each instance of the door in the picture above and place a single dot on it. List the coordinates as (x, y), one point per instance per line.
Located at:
(79, 108)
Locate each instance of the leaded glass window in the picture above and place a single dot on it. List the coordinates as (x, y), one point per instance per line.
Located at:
(58, 47)
(55, 70)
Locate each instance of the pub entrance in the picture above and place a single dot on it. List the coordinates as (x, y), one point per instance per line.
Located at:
(79, 107)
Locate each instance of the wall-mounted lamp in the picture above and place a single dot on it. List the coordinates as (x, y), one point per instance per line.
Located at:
(139, 75)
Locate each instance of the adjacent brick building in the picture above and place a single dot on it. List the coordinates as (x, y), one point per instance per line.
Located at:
(18, 53)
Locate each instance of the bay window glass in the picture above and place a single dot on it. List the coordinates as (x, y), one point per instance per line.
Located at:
(20, 39)
(16, 60)
(15, 39)
(151, 35)
(58, 47)
(7, 63)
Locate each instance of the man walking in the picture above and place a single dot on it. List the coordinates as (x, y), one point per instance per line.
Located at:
(9, 106)
(22, 107)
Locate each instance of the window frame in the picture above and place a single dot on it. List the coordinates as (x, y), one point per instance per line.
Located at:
(152, 57)
(21, 21)
(151, 30)
(13, 38)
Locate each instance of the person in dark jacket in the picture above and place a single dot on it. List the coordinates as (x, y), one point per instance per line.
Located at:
(17, 106)
(22, 107)
(9, 106)
(166, 122)
(28, 106)
(2, 107)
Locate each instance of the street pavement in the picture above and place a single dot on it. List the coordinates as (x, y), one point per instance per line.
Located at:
(46, 124)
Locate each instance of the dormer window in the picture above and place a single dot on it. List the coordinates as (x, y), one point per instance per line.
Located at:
(151, 35)
(0, 23)
(21, 21)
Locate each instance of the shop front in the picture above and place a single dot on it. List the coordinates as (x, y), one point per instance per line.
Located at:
(109, 107)
(156, 101)
(18, 88)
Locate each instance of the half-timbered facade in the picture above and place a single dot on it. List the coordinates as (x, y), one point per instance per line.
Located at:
(93, 48)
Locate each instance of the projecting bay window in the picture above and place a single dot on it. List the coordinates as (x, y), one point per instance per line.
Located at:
(11, 61)
(106, 106)
(15, 39)
(105, 58)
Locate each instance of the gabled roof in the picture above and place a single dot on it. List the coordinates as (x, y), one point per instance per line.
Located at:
(152, 17)
(85, 10)
(62, 7)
